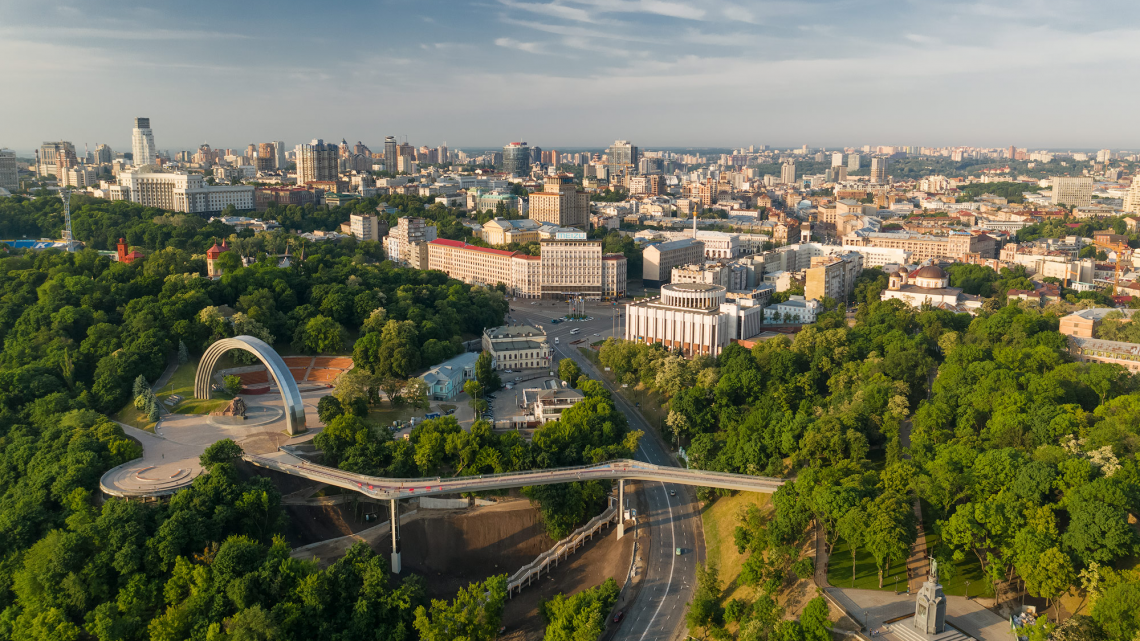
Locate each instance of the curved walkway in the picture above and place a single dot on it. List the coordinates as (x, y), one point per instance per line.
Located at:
(389, 488)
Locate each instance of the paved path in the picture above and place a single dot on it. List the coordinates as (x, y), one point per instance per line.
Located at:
(873, 607)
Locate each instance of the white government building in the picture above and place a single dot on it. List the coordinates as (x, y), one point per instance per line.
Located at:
(153, 186)
(695, 318)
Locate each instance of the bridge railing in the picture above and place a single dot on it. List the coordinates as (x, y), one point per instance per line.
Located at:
(516, 581)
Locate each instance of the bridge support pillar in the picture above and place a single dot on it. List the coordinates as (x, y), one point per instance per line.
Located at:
(621, 508)
(395, 509)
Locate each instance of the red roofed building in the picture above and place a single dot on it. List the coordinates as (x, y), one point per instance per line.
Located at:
(125, 256)
(213, 269)
(469, 263)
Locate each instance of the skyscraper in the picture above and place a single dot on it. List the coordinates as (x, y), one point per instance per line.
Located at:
(878, 170)
(9, 175)
(622, 158)
(837, 159)
(279, 154)
(316, 161)
(853, 162)
(266, 157)
(788, 173)
(390, 154)
(516, 159)
(443, 155)
(104, 155)
(142, 143)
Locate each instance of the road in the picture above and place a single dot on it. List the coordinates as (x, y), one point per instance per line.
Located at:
(673, 519)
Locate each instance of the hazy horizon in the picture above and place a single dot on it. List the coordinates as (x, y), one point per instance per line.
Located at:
(1041, 74)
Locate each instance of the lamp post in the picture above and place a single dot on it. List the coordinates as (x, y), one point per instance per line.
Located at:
(967, 590)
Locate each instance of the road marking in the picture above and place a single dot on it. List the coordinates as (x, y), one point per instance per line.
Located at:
(672, 564)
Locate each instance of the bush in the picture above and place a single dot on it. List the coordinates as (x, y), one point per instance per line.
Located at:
(328, 408)
(736, 610)
(232, 384)
(804, 568)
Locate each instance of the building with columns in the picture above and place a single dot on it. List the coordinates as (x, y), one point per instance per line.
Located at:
(693, 318)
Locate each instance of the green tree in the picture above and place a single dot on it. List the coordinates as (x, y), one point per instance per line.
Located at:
(232, 384)
(569, 371)
(319, 335)
(328, 408)
(473, 615)
(581, 616)
(486, 374)
(223, 451)
(890, 531)
(475, 392)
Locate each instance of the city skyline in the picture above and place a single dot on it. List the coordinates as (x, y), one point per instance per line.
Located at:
(665, 74)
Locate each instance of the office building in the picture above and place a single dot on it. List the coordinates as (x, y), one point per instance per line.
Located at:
(571, 266)
(853, 162)
(1075, 191)
(837, 159)
(407, 243)
(152, 186)
(283, 196)
(788, 173)
(364, 226)
(878, 171)
(142, 143)
(796, 310)
(499, 231)
(390, 149)
(79, 177)
(516, 159)
(316, 161)
(622, 158)
(659, 260)
(517, 347)
(468, 263)
(9, 174)
(693, 318)
(560, 203)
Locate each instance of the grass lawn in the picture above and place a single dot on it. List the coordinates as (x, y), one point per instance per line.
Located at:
(181, 383)
(203, 406)
(384, 414)
(867, 576)
(719, 520)
(130, 416)
(968, 569)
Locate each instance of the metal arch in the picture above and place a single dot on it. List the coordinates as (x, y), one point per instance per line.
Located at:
(294, 408)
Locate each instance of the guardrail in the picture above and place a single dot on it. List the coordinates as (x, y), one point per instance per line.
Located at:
(563, 548)
(395, 488)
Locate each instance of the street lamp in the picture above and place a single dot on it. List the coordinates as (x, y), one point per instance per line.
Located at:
(967, 589)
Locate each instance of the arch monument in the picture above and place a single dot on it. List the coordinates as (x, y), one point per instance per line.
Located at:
(290, 395)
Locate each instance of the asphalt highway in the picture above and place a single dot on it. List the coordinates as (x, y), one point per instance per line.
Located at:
(673, 520)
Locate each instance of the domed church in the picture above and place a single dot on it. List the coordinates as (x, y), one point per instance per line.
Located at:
(929, 285)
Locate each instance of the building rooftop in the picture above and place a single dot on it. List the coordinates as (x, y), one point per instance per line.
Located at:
(462, 245)
(514, 331)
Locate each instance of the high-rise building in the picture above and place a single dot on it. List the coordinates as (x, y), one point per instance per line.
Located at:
(853, 162)
(878, 171)
(316, 161)
(622, 158)
(788, 173)
(516, 159)
(390, 147)
(1075, 191)
(837, 159)
(442, 153)
(266, 157)
(9, 175)
(104, 155)
(279, 155)
(1132, 197)
(54, 156)
(560, 203)
(142, 143)
(406, 244)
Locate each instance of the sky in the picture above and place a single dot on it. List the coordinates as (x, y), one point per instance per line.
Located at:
(573, 73)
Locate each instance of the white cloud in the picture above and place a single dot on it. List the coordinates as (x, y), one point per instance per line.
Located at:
(529, 47)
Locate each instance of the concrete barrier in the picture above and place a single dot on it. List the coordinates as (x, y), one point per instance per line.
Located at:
(484, 503)
(429, 503)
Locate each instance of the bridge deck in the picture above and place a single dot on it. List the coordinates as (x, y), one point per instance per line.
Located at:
(388, 488)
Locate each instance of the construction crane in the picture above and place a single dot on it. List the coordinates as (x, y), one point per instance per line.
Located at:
(1123, 253)
(68, 238)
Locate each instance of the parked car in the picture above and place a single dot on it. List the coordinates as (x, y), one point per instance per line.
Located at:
(451, 411)
(618, 616)
(672, 492)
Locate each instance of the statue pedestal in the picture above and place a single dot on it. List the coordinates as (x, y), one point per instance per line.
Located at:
(930, 609)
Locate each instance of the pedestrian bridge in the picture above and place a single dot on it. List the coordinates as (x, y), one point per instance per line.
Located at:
(620, 469)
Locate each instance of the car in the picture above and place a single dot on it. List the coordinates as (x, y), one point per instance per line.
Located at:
(678, 551)
(451, 411)
(618, 616)
(510, 371)
(672, 492)
(597, 334)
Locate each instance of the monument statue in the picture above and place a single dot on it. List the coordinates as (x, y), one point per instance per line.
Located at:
(235, 407)
(930, 609)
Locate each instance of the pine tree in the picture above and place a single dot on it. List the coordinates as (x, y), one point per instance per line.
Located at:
(183, 353)
(153, 415)
(141, 385)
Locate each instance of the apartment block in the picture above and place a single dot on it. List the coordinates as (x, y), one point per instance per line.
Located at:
(9, 174)
(316, 161)
(923, 246)
(404, 245)
(364, 226)
(832, 276)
